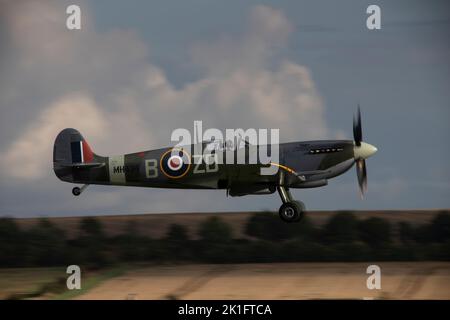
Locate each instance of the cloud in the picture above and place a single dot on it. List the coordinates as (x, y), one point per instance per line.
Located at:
(30, 156)
(105, 85)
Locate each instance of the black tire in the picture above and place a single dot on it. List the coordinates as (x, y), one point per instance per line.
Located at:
(291, 211)
(302, 209)
(76, 191)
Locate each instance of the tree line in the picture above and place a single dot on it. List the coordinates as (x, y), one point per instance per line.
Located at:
(342, 238)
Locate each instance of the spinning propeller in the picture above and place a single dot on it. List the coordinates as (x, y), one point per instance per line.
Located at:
(361, 152)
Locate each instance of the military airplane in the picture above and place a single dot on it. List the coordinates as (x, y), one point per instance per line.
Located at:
(305, 164)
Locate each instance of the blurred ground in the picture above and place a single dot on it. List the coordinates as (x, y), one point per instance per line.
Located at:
(325, 280)
(156, 225)
(409, 280)
(399, 280)
(26, 281)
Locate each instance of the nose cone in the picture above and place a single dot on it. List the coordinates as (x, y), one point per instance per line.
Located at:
(364, 151)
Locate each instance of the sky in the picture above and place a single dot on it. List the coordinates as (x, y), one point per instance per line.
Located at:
(137, 70)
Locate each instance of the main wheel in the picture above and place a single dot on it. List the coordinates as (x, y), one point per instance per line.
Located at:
(291, 211)
(302, 208)
(76, 191)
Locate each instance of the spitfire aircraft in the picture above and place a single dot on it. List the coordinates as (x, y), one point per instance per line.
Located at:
(305, 164)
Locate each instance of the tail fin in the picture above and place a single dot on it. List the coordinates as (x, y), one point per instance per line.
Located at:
(71, 151)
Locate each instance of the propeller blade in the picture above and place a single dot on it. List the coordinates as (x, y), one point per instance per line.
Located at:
(361, 172)
(357, 130)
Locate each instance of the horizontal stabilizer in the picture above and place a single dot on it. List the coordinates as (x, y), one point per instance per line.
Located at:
(82, 165)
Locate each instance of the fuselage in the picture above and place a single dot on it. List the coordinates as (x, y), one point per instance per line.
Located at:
(304, 164)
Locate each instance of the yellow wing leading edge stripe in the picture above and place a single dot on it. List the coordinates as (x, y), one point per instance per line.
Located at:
(284, 167)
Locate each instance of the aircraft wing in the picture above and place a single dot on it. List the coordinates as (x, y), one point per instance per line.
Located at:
(289, 176)
(312, 172)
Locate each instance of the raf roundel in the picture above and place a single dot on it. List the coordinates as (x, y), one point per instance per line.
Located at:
(175, 163)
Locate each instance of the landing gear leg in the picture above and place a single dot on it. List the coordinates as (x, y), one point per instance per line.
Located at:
(77, 190)
(290, 210)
